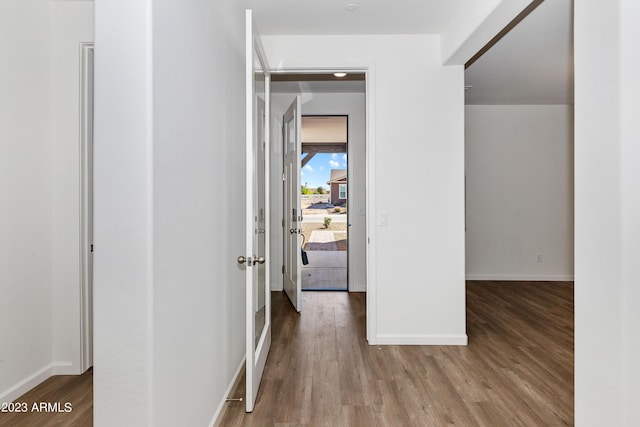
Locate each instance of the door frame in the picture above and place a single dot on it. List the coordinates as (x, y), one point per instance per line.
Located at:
(367, 67)
(86, 211)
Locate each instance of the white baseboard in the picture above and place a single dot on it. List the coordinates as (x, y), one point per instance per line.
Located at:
(27, 384)
(37, 378)
(392, 339)
(217, 417)
(65, 368)
(522, 277)
(358, 287)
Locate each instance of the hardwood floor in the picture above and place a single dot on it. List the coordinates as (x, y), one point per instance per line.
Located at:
(516, 371)
(76, 390)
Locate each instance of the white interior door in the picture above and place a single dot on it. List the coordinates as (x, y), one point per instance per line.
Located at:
(292, 142)
(258, 302)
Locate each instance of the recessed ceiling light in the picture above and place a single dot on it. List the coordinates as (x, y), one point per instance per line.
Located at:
(351, 6)
(340, 75)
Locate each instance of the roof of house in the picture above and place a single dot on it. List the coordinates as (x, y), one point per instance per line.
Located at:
(338, 175)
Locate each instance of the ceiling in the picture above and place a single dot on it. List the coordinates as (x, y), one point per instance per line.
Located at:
(318, 87)
(330, 17)
(531, 64)
(317, 83)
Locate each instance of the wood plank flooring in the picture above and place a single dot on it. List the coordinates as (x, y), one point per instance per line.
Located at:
(516, 371)
(76, 390)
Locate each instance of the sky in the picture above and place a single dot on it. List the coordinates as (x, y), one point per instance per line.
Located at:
(316, 173)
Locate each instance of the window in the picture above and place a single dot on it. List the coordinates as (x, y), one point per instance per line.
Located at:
(342, 191)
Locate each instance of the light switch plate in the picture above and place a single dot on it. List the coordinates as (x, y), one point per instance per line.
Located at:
(383, 218)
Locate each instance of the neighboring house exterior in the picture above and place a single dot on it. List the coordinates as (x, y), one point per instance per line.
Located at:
(338, 186)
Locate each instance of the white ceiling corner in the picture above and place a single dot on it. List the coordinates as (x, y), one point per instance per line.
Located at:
(532, 64)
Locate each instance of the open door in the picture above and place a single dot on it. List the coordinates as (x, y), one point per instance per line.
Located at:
(292, 142)
(258, 301)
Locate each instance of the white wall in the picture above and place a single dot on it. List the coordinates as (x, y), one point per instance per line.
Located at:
(25, 196)
(72, 25)
(169, 296)
(630, 188)
(40, 154)
(123, 222)
(353, 105)
(199, 191)
(474, 25)
(416, 115)
(519, 174)
(607, 182)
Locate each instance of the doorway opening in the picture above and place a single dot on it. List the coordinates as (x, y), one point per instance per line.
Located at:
(324, 202)
(332, 171)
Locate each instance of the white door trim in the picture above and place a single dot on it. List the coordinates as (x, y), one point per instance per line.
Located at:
(368, 67)
(86, 210)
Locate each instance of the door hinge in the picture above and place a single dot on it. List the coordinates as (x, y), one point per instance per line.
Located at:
(283, 222)
(91, 248)
(283, 269)
(283, 177)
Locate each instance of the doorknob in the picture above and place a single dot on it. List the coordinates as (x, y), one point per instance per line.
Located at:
(259, 260)
(241, 259)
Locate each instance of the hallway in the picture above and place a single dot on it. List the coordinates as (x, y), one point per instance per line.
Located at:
(517, 369)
